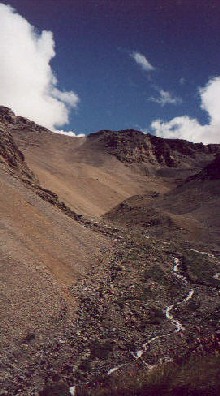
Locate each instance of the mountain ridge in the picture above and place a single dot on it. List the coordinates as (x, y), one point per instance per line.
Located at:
(93, 174)
(130, 145)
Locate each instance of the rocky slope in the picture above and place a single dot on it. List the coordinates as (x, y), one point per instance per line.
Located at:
(42, 253)
(87, 302)
(95, 173)
(133, 146)
(10, 156)
(209, 172)
(187, 213)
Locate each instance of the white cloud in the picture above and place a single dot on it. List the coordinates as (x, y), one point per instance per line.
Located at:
(27, 82)
(165, 97)
(190, 129)
(210, 100)
(179, 128)
(70, 98)
(69, 133)
(142, 61)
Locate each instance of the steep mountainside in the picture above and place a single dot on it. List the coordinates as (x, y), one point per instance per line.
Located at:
(11, 157)
(88, 304)
(42, 253)
(132, 146)
(95, 173)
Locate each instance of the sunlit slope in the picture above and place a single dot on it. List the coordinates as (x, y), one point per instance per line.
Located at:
(95, 173)
(42, 253)
(81, 172)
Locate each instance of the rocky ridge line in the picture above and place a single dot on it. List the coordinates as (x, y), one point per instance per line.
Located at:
(134, 146)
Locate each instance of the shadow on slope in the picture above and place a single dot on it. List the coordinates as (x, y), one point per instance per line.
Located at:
(189, 212)
(197, 376)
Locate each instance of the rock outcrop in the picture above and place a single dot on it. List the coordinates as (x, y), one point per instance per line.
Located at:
(134, 146)
(128, 146)
(10, 156)
(8, 118)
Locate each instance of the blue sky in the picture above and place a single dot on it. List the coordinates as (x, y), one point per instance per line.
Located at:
(96, 42)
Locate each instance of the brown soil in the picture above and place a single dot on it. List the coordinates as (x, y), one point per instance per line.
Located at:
(81, 295)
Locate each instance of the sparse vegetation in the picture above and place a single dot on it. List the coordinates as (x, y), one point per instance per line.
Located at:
(198, 376)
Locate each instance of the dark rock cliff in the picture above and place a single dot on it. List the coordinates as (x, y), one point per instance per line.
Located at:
(10, 156)
(134, 146)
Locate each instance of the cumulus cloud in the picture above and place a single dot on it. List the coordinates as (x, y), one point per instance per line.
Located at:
(210, 99)
(27, 82)
(179, 128)
(190, 129)
(142, 61)
(165, 97)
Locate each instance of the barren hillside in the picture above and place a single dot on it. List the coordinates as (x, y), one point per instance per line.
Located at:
(190, 212)
(95, 173)
(88, 303)
(42, 253)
